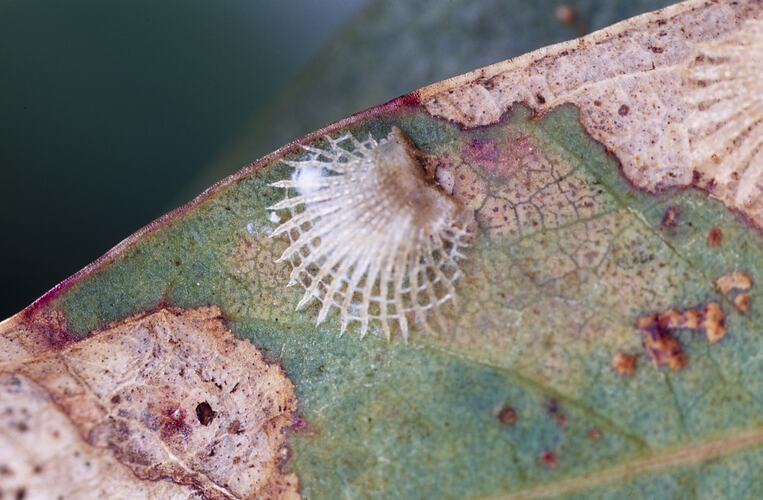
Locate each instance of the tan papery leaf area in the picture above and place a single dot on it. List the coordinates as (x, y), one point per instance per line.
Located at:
(678, 107)
(538, 279)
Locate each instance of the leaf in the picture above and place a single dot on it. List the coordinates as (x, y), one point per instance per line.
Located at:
(606, 337)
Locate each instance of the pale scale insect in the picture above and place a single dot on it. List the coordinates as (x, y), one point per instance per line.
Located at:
(371, 233)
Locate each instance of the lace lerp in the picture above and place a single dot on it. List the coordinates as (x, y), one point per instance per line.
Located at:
(372, 233)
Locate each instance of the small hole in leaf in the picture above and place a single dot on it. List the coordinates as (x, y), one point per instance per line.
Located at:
(204, 413)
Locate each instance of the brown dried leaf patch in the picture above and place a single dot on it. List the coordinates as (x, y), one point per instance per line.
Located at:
(172, 394)
(42, 455)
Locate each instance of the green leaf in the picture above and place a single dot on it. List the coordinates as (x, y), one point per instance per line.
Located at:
(605, 341)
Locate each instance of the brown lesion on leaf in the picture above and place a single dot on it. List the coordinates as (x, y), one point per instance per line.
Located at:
(711, 319)
(731, 284)
(624, 364)
(664, 347)
(162, 390)
(742, 302)
(661, 345)
(714, 322)
(507, 415)
(548, 458)
(714, 237)
(736, 280)
(671, 216)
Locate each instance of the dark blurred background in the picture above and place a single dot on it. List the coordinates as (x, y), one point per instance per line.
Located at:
(112, 113)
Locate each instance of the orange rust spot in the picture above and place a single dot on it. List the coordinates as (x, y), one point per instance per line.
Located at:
(548, 458)
(663, 347)
(594, 434)
(715, 158)
(691, 319)
(507, 415)
(624, 364)
(714, 237)
(714, 322)
(742, 302)
(733, 281)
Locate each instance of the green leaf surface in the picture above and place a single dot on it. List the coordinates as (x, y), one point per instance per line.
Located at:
(517, 396)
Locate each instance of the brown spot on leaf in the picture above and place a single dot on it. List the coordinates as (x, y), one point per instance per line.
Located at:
(714, 237)
(690, 318)
(594, 434)
(670, 217)
(714, 322)
(624, 364)
(663, 347)
(742, 302)
(507, 415)
(623, 110)
(733, 281)
(548, 458)
(234, 427)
